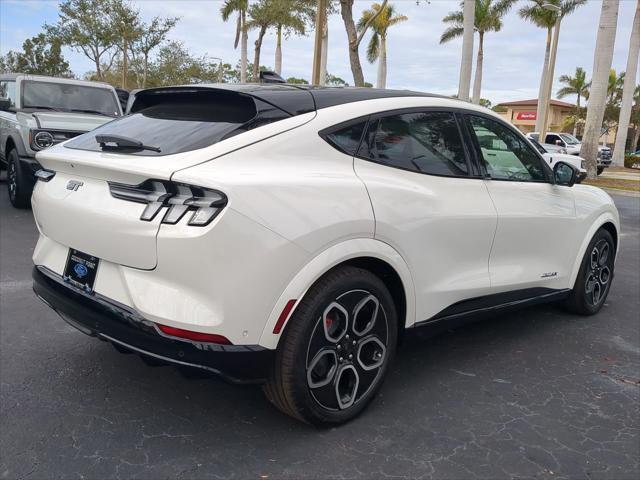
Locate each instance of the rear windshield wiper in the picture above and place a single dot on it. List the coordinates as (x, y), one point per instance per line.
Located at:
(82, 110)
(124, 143)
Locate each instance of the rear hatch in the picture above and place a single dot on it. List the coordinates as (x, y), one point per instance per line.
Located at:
(90, 203)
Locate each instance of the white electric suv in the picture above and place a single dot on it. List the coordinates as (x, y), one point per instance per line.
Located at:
(290, 235)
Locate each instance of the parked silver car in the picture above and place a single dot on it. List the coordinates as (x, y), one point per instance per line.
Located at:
(37, 112)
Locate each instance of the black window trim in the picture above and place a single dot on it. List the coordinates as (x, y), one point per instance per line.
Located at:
(472, 170)
(325, 132)
(548, 173)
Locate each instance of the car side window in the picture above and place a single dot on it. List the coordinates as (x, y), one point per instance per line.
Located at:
(347, 139)
(424, 142)
(8, 90)
(506, 156)
(552, 139)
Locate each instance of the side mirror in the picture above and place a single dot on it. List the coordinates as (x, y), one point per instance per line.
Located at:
(565, 174)
(5, 104)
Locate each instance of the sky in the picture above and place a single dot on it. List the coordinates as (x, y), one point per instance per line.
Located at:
(513, 57)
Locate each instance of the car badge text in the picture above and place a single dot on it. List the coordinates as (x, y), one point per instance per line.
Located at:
(74, 185)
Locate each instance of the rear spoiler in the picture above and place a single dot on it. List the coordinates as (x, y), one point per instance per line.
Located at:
(289, 99)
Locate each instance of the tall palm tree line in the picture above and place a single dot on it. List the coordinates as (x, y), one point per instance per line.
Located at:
(542, 17)
(628, 89)
(578, 86)
(602, 59)
(487, 18)
(377, 47)
(240, 7)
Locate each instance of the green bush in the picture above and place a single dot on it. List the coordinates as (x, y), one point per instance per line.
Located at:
(631, 161)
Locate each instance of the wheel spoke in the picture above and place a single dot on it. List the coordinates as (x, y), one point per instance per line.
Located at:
(346, 386)
(365, 315)
(322, 368)
(335, 321)
(605, 275)
(604, 254)
(596, 292)
(371, 353)
(595, 257)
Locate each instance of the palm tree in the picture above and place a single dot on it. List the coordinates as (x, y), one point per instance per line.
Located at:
(488, 18)
(628, 91)
(602, 57)
(354, 38)
(468, 21)
(577, 86)
(229, 8)
(542, 17)
(377, 48)
(261, 18)
(290, 17)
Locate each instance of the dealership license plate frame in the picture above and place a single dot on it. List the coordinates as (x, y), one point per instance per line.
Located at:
(81, 269)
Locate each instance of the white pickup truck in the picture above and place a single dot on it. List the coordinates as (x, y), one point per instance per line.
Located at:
(552, 155)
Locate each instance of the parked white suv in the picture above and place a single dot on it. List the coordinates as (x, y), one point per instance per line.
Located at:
(291, 235)
(572, 146)
(37, 112)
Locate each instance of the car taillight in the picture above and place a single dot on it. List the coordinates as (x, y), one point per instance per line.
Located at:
(194, 336)
(176, 198)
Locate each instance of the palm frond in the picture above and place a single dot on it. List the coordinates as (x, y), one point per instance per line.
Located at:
(373, 48)
(451, 33)
(454, 17)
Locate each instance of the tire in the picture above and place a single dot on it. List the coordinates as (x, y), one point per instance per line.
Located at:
(325, 374)
(18, 185)
(595, 276)
(600, 170)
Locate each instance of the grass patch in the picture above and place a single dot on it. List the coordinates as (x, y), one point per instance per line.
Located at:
(616, 183)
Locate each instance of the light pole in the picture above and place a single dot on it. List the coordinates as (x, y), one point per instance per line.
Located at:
(550, 71)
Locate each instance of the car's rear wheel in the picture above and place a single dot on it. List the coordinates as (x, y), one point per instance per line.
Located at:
(17, 184)
(336, 349)
(595, 276)
(600, 170)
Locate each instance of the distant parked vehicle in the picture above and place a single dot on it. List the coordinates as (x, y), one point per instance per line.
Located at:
(554, 154)
(37, 112)
(572, 146)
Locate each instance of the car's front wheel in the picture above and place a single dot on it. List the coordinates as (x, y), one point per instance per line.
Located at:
(600, 170)
(336, 349)
(17, 184)
(595, 276)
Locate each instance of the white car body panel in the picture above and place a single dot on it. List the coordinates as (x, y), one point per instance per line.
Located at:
(297, 207)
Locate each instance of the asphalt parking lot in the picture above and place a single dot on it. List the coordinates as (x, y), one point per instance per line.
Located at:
(537, 393)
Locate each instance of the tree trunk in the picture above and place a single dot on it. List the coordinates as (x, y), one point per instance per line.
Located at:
(279, 50)
(541, 109)
(145, 70)
(346, 11)
(477, 82)
(256, 54)
(602, 58)
(469, 12)
(550, 75)
(125, 65)
(243, 47)
(575, 123)
(323, 56)
(628, 90)
(382, 64)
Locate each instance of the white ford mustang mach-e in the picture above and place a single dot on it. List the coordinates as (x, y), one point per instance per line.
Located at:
(290, 235)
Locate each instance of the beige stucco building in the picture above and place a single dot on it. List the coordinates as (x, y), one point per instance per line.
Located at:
(522, 114)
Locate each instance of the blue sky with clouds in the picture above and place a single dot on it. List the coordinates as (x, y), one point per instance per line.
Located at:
(512, 62)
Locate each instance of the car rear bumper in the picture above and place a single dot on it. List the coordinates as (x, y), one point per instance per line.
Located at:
(109, 320)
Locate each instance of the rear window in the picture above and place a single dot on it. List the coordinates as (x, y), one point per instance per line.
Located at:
(68, 97)
(175, 122)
